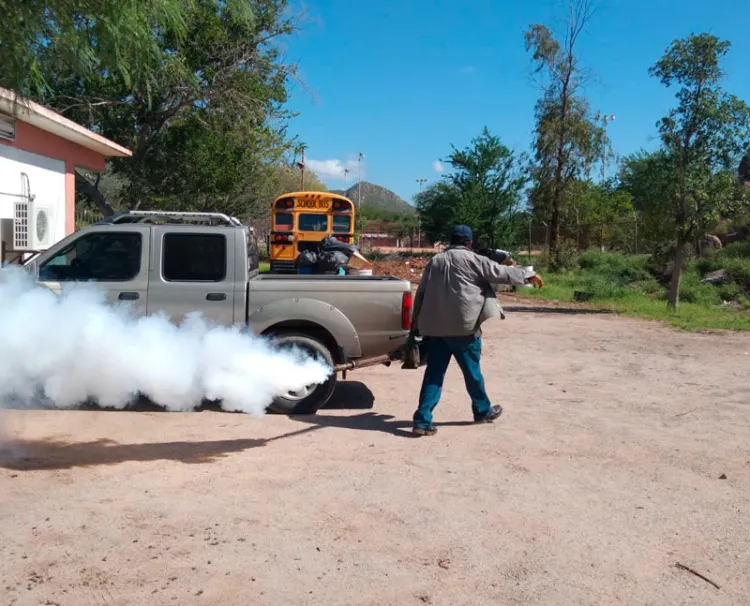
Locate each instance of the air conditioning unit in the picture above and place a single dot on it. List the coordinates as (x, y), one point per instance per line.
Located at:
(43, 225)
(32, 227)
(21, 221)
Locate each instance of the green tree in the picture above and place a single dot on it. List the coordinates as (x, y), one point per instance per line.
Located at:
(206, 123)
(602, 208)
(704, 135)
(649, 179)
(743, 171)
(403, 226)
(568, 139)
(437, 205)
(482, 190)
(120, 38)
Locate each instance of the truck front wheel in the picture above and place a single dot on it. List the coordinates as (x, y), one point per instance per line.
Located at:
(309, 399)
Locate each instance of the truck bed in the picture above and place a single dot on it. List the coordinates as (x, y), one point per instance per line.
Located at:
(371, 306)
(325, 277)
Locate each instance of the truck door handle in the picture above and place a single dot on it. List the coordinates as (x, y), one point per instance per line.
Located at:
(216, 296)
(128, 296)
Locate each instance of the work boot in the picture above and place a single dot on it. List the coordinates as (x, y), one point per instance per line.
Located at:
(493, 414)
(419, 432)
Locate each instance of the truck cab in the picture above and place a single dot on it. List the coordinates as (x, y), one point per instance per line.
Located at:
(168, 262)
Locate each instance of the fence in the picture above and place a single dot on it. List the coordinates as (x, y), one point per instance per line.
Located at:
(622, 236)
(86, 217)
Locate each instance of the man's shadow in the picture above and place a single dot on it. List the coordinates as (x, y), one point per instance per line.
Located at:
(353, 395)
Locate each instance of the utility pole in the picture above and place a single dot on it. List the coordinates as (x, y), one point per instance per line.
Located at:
(359, 195)
(605, 119)
(346, 177)
(301, 165)
(421, 182)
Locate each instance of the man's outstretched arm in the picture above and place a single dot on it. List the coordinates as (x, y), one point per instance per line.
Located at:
(495, 273)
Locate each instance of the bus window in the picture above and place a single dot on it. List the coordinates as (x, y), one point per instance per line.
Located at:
(284, 222)
(310, 222)
(342, 224)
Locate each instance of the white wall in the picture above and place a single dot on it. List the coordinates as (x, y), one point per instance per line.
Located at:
(47, 184)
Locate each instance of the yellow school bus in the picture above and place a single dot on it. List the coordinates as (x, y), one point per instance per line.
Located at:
(301, 220)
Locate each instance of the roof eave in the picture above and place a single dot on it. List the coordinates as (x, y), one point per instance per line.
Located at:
(49, 121)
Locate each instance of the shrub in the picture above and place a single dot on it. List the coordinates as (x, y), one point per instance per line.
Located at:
(692, 290)
(735, 250)
(617, 267)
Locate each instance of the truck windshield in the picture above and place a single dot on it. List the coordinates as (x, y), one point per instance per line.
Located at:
(310, 222)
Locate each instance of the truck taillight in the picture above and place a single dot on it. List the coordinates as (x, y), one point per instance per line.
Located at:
(406, 305)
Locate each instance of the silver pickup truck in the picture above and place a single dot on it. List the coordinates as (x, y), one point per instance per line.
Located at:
(179, 263)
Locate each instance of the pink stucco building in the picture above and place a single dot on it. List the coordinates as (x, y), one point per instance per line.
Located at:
(39, 152)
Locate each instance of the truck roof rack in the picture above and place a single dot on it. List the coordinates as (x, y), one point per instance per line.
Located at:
(154, 216)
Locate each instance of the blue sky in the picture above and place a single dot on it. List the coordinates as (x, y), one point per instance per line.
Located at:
(402, 81)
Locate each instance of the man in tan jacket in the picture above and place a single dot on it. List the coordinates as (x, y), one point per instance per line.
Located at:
(454, 298)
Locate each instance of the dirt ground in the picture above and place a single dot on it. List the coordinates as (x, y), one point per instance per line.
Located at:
(624, 449)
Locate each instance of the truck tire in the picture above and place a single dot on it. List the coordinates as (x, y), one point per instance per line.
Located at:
(311, 399)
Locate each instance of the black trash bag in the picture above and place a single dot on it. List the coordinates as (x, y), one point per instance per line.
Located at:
(307, 258)
(330, 261)
(330, 243)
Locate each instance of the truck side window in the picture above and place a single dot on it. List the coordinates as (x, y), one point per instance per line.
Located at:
(101, 257)
(194, 258)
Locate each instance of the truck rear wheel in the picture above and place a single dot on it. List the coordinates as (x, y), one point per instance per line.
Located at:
(308, 400)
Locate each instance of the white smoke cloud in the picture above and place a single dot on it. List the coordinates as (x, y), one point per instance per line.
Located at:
(60, 351)
(438, 166)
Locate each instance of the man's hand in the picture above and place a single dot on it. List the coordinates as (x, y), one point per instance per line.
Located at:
(536, 281)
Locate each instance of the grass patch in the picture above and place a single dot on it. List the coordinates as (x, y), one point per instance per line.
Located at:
(626, 284)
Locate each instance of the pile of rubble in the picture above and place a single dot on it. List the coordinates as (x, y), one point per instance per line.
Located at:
(406, 268)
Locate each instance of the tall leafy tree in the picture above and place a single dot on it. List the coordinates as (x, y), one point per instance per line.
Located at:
(122, 38)
(437, 208)
(743, 171)
(482, 190)
(602, 213)
(205, 122)
(649, 179)
(568, 139)
(705, 134)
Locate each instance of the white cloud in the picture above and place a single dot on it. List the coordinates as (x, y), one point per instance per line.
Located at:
(334, 169)
(468, 69)
(438, 166)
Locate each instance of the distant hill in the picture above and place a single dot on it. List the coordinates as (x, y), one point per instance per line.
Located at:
(375, 196)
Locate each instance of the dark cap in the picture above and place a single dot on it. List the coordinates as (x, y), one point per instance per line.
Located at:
(462, 232)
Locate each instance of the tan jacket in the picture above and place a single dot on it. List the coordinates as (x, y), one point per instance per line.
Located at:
(456, 296)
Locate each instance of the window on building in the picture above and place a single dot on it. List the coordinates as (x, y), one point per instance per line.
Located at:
(194, 257)
(99, 257)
